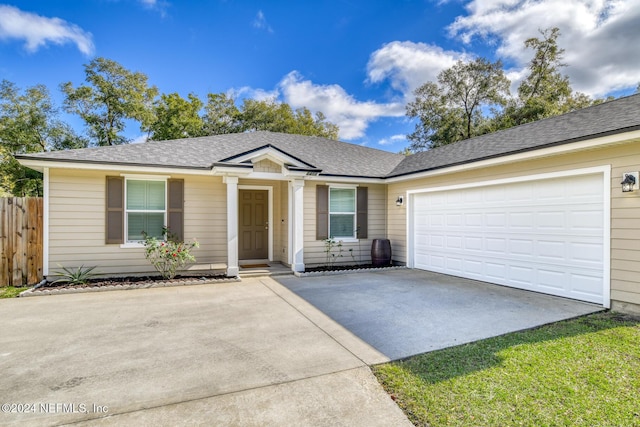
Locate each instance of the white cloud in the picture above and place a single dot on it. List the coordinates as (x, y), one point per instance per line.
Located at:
(260, 22)
(38, 31)
(600, 36)
(392, 139)
(158, 5)
(408, 65)
(352, 116)
(139, 139)
(257, 94)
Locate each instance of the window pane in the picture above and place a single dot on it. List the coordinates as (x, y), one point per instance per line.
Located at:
(155, 195)
(145, 195)
(341, 225)
(138, 222)
(135, 194)
(342, 200)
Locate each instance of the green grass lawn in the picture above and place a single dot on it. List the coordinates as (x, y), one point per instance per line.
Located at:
(11, 291)
(580, 372)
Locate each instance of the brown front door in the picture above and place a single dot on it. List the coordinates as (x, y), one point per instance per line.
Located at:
(253, 223)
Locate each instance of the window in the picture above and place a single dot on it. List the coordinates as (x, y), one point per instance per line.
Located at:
(342, 212)
(145, 208)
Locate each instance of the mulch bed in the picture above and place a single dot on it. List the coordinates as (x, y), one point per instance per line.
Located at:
(324, 268)
(137, 282)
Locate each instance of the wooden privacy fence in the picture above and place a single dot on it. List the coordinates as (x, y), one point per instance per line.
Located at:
(20, 241)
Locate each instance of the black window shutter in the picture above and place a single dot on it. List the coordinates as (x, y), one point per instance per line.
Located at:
(115, 210)
(322, 212)
(363, 215)
(175, 209)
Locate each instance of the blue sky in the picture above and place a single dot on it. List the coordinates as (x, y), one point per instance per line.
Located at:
(356, 61)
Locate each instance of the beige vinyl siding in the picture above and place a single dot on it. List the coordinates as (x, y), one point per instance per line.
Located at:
(77, 223)
(314, 250)
(625, 207)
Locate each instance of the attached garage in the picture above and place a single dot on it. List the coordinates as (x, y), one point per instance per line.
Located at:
(545, 233)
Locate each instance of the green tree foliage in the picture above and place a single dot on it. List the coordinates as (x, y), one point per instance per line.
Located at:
(545, 91)
(276, 116)
(112, 96)
(221, 115)
(29, 123)
(455, 107)
(179, 118)
(176, 117)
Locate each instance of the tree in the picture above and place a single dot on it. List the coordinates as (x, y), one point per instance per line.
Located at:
(454, 108)
(29, 124)
(545, 91)
(223, 116)
(112, 96)
(280, 117)
(176, 117)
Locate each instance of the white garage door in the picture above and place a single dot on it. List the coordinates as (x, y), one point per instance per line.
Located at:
(543, 235)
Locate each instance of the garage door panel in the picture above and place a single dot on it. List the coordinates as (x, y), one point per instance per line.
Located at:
(522, 221)
(585, 220)
(521, 275)
(496, 245)
(552, 280)
(552, 250)
(474, 267)
(551, 220)
(588, 285)
(454, 242)
(537, 235)
(473, 243)
(521, 247)
(497, 220)
(454, 264)
(584, 252)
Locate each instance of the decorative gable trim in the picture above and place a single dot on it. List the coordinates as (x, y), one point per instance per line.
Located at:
(268, 152)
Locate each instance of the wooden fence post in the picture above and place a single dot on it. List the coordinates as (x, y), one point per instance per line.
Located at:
(5, 244)
(21, 237)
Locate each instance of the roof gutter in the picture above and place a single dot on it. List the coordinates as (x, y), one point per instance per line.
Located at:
(40, 163)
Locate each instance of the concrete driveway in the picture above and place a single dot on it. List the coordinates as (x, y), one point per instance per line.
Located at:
(235, 354)
(406, 312)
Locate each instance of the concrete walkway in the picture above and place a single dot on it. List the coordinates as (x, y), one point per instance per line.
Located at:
(233, 354)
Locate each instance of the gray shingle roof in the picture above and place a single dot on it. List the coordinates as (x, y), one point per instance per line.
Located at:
(343, 159)
(332, 157)
(615, 116)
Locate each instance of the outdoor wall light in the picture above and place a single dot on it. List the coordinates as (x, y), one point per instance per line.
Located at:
(400, 201)
(629, 181)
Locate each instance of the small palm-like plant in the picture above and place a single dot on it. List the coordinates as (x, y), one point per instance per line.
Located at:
(75, 276)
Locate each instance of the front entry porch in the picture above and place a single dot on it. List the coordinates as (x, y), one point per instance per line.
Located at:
(264, 223)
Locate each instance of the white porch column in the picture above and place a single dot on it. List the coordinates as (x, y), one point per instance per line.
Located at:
(297, 224)
(232, 225)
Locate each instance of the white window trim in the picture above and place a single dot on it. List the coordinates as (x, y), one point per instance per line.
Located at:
(344, 239)
(131, 177)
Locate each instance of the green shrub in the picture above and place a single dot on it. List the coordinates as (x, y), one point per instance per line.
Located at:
(77, 276)
(167, 257)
